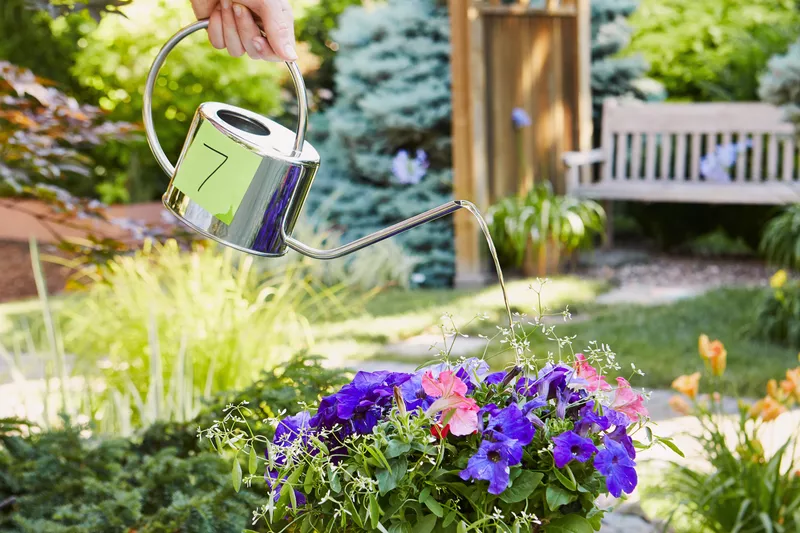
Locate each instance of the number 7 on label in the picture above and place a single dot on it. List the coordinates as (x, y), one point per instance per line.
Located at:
(215, 170)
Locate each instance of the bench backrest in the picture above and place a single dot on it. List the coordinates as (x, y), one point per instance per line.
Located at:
(666, 141)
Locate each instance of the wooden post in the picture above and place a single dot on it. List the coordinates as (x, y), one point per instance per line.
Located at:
(470, 180)
(584, 14)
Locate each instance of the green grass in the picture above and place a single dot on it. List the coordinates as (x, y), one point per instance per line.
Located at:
(662, 340)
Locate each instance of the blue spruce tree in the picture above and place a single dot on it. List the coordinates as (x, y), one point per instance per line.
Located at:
(615, 76)
(392, 97)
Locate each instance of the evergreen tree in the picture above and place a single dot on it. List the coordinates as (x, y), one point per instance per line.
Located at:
(392, 95)
(780, 85)
(614, 76)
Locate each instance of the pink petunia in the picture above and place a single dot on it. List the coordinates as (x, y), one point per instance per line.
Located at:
(588, 373)
(457, 411)
(627, 402)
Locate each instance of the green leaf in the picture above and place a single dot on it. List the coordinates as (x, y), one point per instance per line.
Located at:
(671, 445)
(396, 448)
(336, 484)
(252, 464)
(249, 531)
(568, 482)
(425, 524)
(556, 497)
(570, 524)
(451, 516)
(523, 487)
(462, 527)
(389, 479)
(236, 474)
(434, 506)
(374, 511)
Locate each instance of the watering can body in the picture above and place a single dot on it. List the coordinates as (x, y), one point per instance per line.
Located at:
(242, 179)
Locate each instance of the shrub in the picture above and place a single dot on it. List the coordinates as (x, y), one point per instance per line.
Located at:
(779, 85)
(166, 481)
(780, 241)
(541, 217)
(746, 489)
(777, 317)
(392, 99)
(613, 75)
(712, 49)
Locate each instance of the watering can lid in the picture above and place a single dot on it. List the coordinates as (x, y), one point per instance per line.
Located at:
(258, 133)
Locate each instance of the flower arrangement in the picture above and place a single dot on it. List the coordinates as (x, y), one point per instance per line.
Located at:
(746, 489)
(454, 447)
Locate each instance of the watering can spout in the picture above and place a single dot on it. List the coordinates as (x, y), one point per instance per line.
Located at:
(378, 236)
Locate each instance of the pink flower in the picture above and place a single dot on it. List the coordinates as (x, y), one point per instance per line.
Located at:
(587, 372)
(628, 402)
(458, 412)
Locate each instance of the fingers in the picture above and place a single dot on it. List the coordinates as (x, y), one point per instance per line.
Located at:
(247, 30)
(229, 30)
(278, 25)
(215, 33)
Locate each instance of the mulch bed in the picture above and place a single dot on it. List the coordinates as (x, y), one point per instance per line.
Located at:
(17, 281)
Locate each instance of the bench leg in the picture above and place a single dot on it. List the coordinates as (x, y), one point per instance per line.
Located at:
(608, 206)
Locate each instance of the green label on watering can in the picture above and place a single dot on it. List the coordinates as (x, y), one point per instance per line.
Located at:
(216, 172)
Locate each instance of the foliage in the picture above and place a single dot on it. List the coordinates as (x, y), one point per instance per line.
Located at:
(314, 27)
(777, 314)
(42, 133)
(540, 217)
(390, 449)
(612, 75)
(779, 84)
(164, 481)
(712, 49)
(95, 8)
(780, 241)
(207, 317)
(392, 94)
(116, 59)
(746, 489)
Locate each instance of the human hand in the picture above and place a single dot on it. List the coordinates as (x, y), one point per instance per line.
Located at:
(234, 25)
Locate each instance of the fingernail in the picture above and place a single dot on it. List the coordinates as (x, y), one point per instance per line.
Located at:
(237, 9)
(257, 45)
(290, 53)
(226, 4)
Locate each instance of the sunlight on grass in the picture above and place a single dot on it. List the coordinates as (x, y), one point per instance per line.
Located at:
(395, 315)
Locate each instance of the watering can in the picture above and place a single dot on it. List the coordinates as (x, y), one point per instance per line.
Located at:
(242, 179)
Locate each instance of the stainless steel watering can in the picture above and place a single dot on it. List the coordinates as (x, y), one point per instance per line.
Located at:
(241, 178)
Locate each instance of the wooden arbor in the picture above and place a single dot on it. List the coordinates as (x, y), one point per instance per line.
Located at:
(506, 57)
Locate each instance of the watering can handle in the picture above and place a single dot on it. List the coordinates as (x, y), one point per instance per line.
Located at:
(391, 231)
(147, 108)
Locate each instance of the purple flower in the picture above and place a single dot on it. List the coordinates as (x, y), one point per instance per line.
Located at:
(569, 445)
(291, 427)
(512, 424)
(620, 435)
(495, 379)
(414, 395)
(272, 483)
(520, 118)
(591, 421)
(407, 171)
(550, 379)
(492, 463)
(618, 468)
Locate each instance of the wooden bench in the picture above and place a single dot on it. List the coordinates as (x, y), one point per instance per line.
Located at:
(652, 153)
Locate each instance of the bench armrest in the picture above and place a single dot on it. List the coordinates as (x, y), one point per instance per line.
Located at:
(579, 159)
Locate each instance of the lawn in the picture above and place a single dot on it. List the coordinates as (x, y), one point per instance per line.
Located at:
(661, 340)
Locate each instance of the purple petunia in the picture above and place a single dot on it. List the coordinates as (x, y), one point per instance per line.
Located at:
(272, 483)
(569, 445)
(512, 424)
(590, 420)
(618, 468)
(291, 427)
(550, 380)
(620, 435)
(414, 395)
(492, 463)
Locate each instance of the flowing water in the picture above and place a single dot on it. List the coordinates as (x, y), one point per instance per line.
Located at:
(469, 206)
